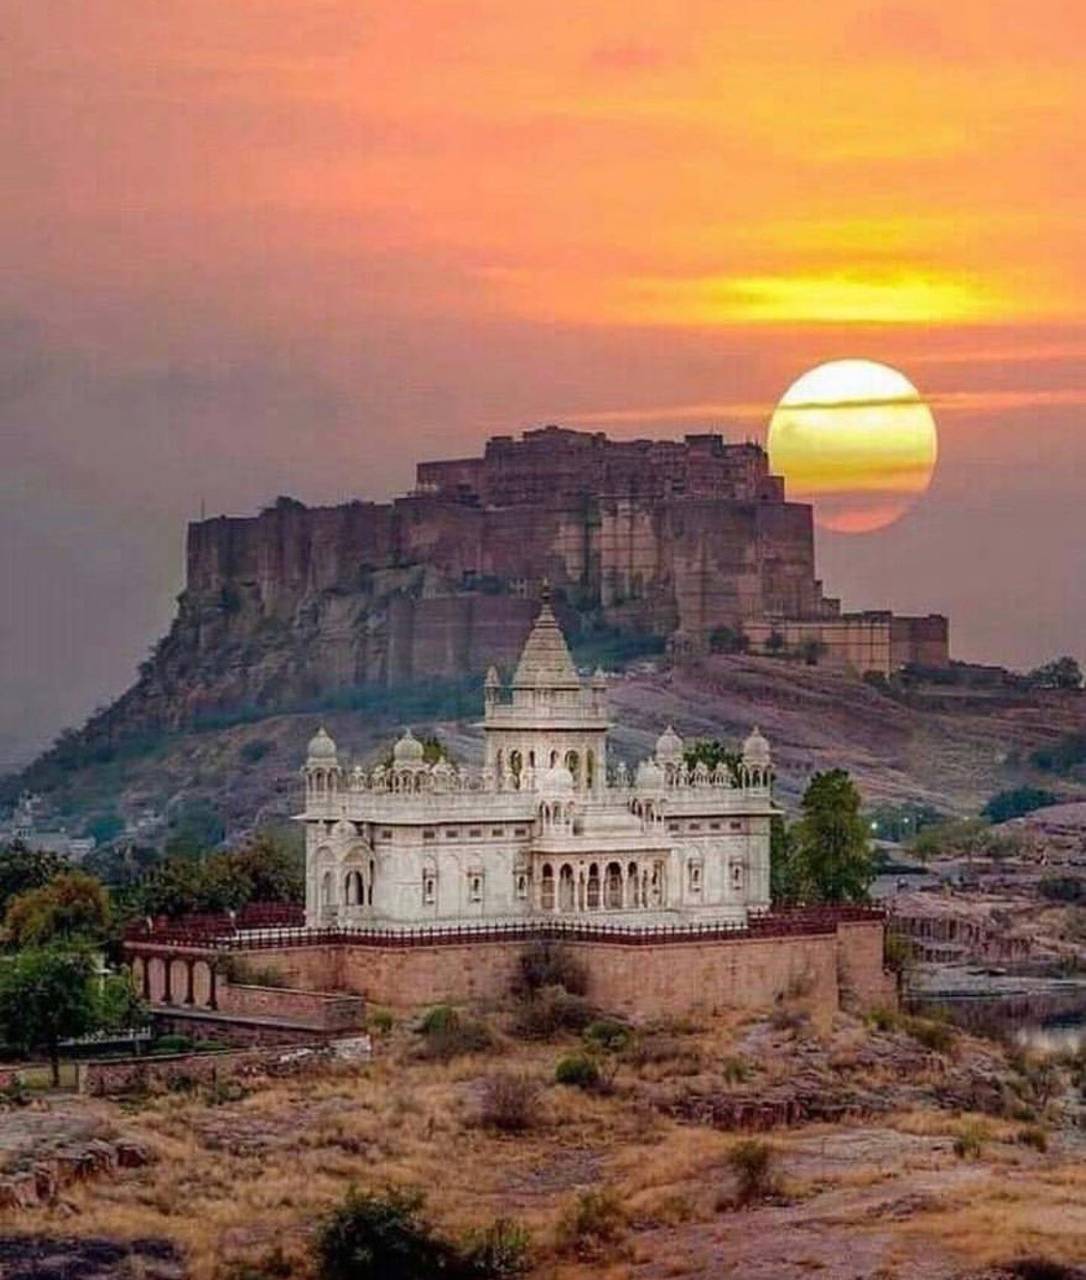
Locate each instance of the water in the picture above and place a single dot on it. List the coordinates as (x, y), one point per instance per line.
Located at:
(1055, 1036)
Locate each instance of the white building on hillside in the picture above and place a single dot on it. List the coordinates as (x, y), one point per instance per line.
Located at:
(544, 830)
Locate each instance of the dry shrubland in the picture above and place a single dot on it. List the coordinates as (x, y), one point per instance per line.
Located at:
(601, 1180)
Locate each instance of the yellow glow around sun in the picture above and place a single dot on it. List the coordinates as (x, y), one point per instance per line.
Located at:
(854, 438)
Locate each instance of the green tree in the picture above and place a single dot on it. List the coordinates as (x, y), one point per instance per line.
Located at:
(22, 869)
(1061, 673)
(713, 753)
(832, 856)
(47, 996)
(73, 906)
(785, 878)
(1015, 804)
(273, 869)
(775, 643)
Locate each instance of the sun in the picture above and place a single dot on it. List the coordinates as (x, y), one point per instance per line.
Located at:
(855, 439)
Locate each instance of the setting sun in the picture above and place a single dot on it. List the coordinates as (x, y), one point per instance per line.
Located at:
(854, 438)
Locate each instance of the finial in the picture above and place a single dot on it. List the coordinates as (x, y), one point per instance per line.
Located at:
(545, 591)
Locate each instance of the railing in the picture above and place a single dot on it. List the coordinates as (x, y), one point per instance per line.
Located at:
(801, 922)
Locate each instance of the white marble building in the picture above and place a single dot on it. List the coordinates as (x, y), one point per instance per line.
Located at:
(545, 829)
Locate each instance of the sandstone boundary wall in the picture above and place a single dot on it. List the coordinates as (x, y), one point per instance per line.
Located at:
(829, 970)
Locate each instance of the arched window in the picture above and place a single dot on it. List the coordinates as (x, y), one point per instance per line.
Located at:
(516, 768)
(353, 895)
(573, 764)
(565, 888)
(612, 899)
(369, 887)
(546, 888)
(592, 899)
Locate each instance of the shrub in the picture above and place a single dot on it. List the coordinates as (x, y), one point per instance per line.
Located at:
(969, 1144)
(380, 1020)
(501, 1252)
(172, 1044)
(274, 1265)
(931, 1033)
(578, 1069)
(510, 1102)
(608, 1034)
(449, 1035)
(736, 1070)
(549, 1011)
(592, 1225)
(1033, 1136)
(385, 1237)
(1015, 804)
(1042, 1269)
(753, 1163)
(440, 1018)
(549, 964)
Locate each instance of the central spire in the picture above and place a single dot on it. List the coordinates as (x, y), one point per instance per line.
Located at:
(545, 660)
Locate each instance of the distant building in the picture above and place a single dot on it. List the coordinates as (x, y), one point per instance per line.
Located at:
(30, 825)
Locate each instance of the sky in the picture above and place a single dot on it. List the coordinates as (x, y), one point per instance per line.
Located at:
(254, 247)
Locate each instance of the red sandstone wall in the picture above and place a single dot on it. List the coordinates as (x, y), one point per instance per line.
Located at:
(328, 1011)
(670, 978)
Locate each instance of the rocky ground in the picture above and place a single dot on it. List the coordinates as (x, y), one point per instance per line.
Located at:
(905, 1152)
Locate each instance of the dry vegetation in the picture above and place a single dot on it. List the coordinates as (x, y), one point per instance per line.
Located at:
(607, 1181)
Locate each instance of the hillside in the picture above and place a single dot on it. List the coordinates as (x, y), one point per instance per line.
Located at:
(952, 754)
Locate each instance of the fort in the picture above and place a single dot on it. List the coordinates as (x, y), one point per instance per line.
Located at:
(692, 542)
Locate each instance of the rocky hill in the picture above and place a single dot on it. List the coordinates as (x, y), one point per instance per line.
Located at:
(952, 752)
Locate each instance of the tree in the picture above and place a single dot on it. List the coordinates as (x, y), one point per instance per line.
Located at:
(785, 881)
(22, 869)
(714, 754)
(274, 871)
(72, 906)
(832, 857)
(776, 643)
(728, 640)
(46, 996)
(1061, 673)
(1016, 803)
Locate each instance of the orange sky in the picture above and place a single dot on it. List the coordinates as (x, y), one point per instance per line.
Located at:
(254, 245)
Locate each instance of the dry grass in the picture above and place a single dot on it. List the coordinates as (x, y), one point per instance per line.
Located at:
(238, 1179)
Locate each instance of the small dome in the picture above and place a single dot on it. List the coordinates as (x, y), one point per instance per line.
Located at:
(321, 748)
(650, 775)
(669, 747)
(443, 769)
(408, 750)
(557, 780)
(756, 749)
(599, 680)
(493, 680)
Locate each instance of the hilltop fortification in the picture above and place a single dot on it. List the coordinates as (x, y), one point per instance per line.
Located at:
(683, 540)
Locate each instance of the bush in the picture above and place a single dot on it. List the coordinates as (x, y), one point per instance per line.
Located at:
(510, 1102)
(608, 1034)
(501, 1252)
(1033, 1136)
(969, 1144)
(549, 964)
(549, 1011)
(1017, 803)
(592, 1225)
(448, 1034)
(736, 1070)
(385, 1237)
(578, 1069)
(438, 1019)
(380, 1020)
(931, 1033)
(753, 1163)
(172, 1044)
